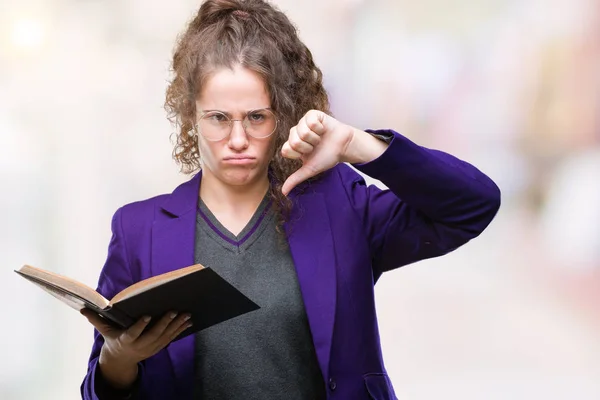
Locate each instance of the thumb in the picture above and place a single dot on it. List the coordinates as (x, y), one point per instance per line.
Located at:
(101, 325)
(296, 178)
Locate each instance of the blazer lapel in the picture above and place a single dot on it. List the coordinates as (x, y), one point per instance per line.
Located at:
(173, 239)
(311, 245)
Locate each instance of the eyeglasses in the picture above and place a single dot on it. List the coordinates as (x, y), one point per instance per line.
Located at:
(216, 125)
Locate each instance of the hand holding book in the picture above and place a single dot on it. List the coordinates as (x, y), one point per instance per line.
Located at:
(124, 348)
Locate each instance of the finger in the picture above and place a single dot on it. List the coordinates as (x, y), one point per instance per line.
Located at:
(306, 134)
(157, 330)
(181, 329)
(296, 178)
(315, 121)
(297, 144)
(101, 325)
(170, 334)
(288, 152)
(135, 330)
(166, 339)
(175, 326)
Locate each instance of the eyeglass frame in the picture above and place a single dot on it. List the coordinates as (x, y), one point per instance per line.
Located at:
(231, 121)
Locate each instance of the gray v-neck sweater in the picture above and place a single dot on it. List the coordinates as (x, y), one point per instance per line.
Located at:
(268, 353)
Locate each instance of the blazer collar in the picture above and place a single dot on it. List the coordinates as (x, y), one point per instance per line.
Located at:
(184, 198)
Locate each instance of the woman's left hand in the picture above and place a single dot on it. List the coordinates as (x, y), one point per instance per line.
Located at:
(321, 142)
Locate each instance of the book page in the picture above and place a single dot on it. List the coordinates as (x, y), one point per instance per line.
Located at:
(157, 280)
(61, 287)
(68, 299)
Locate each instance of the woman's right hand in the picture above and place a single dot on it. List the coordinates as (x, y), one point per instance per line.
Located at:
(124, 348)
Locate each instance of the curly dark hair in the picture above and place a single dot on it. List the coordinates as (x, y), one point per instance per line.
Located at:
(261, 38)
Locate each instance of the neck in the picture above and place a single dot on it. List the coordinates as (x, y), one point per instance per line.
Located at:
(219, 196)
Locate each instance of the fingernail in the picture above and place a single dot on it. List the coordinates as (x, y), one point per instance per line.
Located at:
(189, 325)
(173, 315)
(187, 317)
(146, 318)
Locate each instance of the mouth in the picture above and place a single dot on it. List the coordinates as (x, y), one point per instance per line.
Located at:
(239, 159)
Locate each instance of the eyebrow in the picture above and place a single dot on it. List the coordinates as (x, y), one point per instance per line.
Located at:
(246, 113)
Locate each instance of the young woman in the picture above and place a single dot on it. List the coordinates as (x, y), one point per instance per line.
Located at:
(275, 210)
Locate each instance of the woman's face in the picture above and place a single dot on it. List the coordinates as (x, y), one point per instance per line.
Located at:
(238, 159)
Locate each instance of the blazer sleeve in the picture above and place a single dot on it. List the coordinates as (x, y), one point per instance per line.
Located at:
(114, 277)
(434, 203)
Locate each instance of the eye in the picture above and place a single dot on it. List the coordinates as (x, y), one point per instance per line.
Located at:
(256, 117)
(216, 117)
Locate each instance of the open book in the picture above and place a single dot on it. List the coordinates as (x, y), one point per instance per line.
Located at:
(197, 290)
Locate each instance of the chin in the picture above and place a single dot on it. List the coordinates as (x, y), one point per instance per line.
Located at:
(241, 177)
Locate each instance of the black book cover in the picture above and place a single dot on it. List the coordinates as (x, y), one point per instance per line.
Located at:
(204, 294)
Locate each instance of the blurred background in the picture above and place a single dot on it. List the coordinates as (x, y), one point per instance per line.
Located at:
(512, 86)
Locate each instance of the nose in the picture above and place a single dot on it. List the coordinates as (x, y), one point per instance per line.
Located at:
(238, 140)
